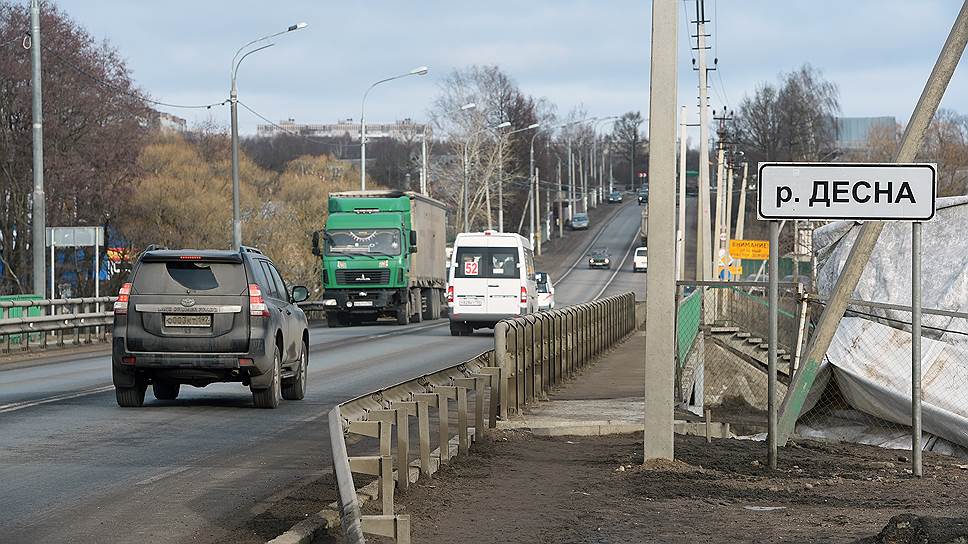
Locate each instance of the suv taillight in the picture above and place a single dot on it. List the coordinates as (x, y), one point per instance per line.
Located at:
(121, 305)
(257, 304)
(450, 294)
(524, 295)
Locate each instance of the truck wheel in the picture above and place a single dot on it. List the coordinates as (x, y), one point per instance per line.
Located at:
(403, 314)
(434, 305)
(269, 397)
(295, 389)
(131, 397)
(165, 390)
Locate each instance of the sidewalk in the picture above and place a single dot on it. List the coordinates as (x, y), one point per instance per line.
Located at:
(526, 485)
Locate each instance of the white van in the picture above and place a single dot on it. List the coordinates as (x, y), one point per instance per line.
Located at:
(641, 259)
(491, 278)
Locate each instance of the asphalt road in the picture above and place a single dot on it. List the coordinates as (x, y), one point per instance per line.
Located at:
(76, 468)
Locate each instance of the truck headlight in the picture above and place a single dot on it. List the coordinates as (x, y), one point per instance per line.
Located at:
(340, 264)
(329, 302)
(384, 264)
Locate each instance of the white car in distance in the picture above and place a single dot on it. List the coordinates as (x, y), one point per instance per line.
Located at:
(640, 261)
(546, 291)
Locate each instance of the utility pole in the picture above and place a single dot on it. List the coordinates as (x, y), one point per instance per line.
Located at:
(661, 280)
(727, 229)
(561, 211)
(536, 213)
(681, 230)
(423, 164)
(38, 204)
(704, 257)
(721, 212)
(741, 213)
(571, 182)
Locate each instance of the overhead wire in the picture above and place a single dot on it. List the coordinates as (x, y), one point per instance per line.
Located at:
(293, 133)
(66, 62)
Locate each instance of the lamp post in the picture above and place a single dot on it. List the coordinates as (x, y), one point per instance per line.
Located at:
(500, 181)
(419, 71)
(234, 102)
(473, 135)
(571, 168)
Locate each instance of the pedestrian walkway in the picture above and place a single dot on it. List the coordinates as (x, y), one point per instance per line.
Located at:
(604, 398)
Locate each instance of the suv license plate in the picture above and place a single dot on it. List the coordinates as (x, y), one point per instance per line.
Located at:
(200, 321)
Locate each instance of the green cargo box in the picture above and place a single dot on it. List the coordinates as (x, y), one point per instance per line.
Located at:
(7, 313)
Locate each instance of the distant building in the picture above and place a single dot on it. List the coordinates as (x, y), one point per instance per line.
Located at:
(853, 132)
(166, 122)
(406, 130)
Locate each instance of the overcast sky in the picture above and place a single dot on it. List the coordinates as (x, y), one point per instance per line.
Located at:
(594, 53)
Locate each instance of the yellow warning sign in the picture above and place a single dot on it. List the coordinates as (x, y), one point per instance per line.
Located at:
(749, 249)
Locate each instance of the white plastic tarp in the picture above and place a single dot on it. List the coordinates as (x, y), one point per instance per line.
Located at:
(872, 368)
(887, 277)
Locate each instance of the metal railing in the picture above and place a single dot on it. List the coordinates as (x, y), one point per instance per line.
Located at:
(85, 317)
(531, 355)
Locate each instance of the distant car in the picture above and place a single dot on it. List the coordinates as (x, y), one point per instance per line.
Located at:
(546, 291)
(599, 258)
(614, 197)
(640, 262)
(195, 317)
(643, 195)
(579, 222)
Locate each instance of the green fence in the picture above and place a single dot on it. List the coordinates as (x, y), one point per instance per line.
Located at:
(687, 323)
(7, 313)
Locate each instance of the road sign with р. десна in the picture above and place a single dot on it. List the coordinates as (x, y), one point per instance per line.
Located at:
(854, 191)
(750, 249)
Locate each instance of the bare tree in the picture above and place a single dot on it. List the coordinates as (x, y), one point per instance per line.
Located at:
(793, 121)
(94, 126)
(626, 142)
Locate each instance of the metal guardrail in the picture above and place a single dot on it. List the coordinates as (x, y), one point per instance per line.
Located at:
(531, 355)
(89, 318)
(83, 316)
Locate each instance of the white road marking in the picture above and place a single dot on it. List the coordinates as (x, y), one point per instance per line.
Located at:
(13, 407)
(163, 475)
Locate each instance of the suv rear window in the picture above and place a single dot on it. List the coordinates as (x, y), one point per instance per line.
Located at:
(487, 263)
(189, 276)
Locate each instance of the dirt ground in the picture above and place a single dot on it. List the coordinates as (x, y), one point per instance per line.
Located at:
(515, 487)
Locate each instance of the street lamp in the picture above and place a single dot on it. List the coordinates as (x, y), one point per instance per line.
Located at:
(500, 180)
(234, 100)
(419, 71)
(473, 135)
(600, 166)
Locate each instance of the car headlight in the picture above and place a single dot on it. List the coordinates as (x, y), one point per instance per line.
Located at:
(591, 261)
(606, 261)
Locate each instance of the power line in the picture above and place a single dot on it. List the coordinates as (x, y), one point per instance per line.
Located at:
(115, 88)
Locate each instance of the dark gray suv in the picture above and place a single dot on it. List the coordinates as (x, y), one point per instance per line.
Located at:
(197, 317)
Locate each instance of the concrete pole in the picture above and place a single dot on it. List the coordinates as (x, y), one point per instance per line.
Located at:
(704, 256)
(611, 180)
(236, 212)
(741, 213)
(547, 221)
(423, 164)
(681, 230)
(728, 216)
(561, 211)
(536, 225)
(363, 147)
(916, 349)
(38, 209)
(860, 252)
(571, 182)
(661, 280)
(500, 186)
(464, 189)
(720, 193)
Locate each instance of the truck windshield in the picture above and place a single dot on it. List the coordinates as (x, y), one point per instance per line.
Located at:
(363, 242)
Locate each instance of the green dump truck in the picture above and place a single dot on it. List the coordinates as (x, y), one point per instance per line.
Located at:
(383, 254)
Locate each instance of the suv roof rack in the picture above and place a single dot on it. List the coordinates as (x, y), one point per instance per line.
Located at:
(249, 249)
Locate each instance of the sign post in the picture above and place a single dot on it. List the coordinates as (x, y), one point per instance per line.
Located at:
(846, 191)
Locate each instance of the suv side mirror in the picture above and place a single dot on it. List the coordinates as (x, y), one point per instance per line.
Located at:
(299, 293)
(316, 251)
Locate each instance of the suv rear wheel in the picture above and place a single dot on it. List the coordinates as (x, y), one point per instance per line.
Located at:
(295, 389)
(269, 397)
(165, 390)
(131, 397)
